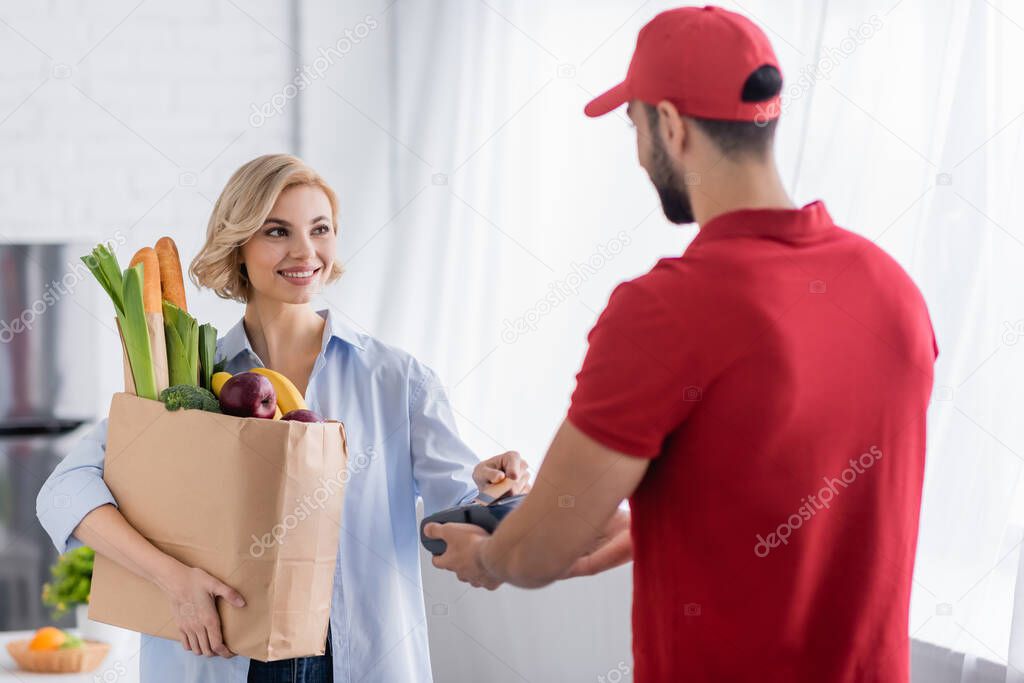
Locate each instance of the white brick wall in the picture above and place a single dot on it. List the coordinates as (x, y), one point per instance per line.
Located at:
(104, 106)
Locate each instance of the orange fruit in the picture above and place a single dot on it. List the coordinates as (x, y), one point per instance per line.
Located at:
(47, 638)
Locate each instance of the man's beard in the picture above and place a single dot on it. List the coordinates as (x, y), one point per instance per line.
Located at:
(675, 201)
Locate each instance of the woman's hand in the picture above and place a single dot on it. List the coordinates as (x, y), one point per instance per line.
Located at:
(191, 591)
(193, 595)
(509, 464)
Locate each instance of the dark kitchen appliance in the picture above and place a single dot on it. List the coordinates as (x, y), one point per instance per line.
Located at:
(48, 344)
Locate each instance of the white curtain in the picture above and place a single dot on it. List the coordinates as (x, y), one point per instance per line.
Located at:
(915, 142)
(485, 221)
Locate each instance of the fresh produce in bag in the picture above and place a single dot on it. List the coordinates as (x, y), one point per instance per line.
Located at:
(164, 346)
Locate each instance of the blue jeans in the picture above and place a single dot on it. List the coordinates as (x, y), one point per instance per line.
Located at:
(299, 670)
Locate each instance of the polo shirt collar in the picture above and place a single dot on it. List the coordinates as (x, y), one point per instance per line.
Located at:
(236, 341)
(805, 224)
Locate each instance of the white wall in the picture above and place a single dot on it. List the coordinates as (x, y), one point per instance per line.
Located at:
(123, 120)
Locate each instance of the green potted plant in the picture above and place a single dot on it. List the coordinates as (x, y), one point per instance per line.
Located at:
(72, 580)
(72, 577)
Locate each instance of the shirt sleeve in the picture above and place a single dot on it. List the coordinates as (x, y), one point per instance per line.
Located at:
(74, 489)
(642, 373)
(442, 463)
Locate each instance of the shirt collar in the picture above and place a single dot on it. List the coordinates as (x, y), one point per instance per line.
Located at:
(236, 340)
(805, 224)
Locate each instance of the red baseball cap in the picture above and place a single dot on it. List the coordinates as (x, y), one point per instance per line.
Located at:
(698, 58)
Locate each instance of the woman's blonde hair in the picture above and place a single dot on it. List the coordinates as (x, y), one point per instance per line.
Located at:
(239, 213)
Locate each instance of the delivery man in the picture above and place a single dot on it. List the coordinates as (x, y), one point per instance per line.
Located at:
(760, 400)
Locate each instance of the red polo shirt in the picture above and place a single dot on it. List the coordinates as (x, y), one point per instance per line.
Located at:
(777, 375)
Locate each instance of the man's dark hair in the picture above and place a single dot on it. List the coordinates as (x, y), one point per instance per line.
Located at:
(739, 139)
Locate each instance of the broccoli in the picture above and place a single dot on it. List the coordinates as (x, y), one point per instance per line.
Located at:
(188, 396)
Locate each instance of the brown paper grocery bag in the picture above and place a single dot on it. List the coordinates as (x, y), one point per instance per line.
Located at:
(255, 503)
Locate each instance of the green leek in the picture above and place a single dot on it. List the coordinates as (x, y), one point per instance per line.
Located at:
(207, 351)
(136, 332)
(125, 291)
(182, 333)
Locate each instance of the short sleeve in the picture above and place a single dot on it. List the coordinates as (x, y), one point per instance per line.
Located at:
(641, 376)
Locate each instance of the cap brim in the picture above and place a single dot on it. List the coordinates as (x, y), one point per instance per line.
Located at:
(605, 102)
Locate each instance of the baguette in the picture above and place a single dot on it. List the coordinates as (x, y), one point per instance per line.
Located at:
(153, 306)
(171, 281)
(150, 279)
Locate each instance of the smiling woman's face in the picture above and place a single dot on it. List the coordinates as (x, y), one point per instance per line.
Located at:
(298, 237)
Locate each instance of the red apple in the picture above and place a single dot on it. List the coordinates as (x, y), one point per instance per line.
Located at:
(248, 394)
(302, 415)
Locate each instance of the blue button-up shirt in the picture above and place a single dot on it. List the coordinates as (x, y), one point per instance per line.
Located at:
(403, 444)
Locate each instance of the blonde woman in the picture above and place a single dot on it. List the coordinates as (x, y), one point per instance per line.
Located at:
(270, 244)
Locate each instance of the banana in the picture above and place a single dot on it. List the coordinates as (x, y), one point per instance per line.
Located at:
(218, 380)
(288, 396)
(277, 413)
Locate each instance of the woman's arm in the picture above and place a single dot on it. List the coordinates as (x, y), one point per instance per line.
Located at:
(105, 530)
(442, 462)
(76, 508)
(192, 591)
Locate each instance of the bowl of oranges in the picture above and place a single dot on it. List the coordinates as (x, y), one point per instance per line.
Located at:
(51, 650)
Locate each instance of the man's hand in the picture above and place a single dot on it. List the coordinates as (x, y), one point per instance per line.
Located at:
(579, 489)
(509, 464)
(613, 548)
(462, 555)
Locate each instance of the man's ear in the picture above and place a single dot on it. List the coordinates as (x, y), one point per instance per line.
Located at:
(671, 127)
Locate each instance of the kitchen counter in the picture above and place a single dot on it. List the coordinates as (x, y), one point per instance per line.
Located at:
(121, 664)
